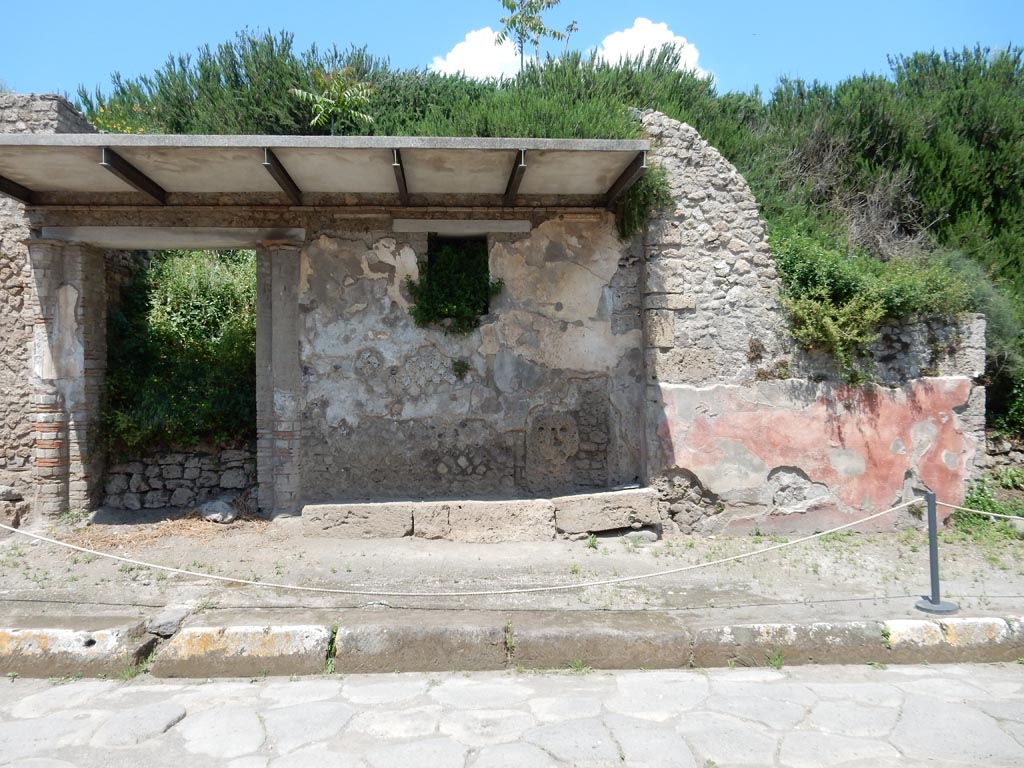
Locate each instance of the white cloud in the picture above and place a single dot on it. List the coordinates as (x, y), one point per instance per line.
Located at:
(478, 57)
(645, 36)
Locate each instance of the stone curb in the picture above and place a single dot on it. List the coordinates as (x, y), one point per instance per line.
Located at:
(375, 640)
(74, 647)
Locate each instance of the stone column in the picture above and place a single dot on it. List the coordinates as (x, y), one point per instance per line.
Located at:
(68, 366)
(278, 377)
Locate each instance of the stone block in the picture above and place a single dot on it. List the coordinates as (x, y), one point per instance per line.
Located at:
(605, 639)
(372, 520)
(182, 497)
(660, 326)
(674, 301)
(853, 642)
(243, 645)
(72, 645)
(234, 478)
(589, 512)
(485, 521)
(419, 641)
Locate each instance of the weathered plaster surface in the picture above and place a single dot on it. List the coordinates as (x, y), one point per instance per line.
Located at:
(552, 399)
(801, 455)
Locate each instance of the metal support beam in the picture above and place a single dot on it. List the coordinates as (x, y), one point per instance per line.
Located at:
(626, 179)
(131, 175)
(15, 190)
(515, 178)
(403, 188)
(281, 176)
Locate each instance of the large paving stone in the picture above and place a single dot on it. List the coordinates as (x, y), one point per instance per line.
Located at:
(467, 693)
(587, 742)
(933, 729)
(409, 723)
(54, 646)
(418, 641)
(223, 732)
(289, 728)
(487, 727)
(300, 691)
(558, 709)
(650, 745)
(378, 689)
(657, 696)
(852, 719)
(437, 753)
(591, 512)
(127, 728)
(513, 756)
(59, 698)
(20, 739)
(725, 740)
(243, 644)
(807, 749)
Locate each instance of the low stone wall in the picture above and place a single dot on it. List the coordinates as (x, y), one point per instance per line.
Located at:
(1001, 454)
(178, 479)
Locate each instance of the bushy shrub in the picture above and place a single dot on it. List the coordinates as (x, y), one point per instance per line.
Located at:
(838, 297)
(181, 362)
(454, 289)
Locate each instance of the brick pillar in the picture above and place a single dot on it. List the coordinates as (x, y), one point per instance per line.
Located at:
(278, 378)
(68, 366)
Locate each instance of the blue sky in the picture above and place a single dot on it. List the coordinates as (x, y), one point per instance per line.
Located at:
(54, 46)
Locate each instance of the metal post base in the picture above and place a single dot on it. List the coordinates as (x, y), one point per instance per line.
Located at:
(943, 606)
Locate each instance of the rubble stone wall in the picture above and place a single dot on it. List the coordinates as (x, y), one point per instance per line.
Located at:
(178, 479)
(745, 430)
(18, 303)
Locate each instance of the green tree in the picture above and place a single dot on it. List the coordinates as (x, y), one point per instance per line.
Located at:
(524, 25)
(339, 100)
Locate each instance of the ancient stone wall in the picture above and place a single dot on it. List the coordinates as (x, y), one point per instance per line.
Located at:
(744, 429)
(18, 304)
(178, 479)
(551, 400)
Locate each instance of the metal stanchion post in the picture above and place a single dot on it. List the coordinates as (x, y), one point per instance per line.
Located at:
(934, 603)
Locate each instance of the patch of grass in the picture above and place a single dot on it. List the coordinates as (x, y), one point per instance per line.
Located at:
(510, 641)
(579, 667)
(592, 541)
(140, 668)
(332, 651)
(979, 528)
(65, 679)
(774, 659)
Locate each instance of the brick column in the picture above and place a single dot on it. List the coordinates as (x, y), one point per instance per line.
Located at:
(278, 378)
(68, 366)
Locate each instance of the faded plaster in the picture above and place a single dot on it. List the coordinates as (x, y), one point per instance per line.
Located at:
(552, 399)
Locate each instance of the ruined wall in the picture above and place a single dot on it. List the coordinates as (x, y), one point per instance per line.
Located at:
(745, 430)
(551, 401)
(18, 304)
(176, 479)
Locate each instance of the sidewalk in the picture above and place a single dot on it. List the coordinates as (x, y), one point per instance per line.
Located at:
(846, 598)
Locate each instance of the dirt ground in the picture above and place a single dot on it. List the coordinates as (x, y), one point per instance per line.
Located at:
(847, 576)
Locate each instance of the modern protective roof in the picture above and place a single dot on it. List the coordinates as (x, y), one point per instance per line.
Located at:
(41, 168)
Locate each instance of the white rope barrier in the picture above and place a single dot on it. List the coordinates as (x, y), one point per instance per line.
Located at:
(980, 512)
(469, 593)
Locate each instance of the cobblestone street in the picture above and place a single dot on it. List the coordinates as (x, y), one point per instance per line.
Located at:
(802, 716)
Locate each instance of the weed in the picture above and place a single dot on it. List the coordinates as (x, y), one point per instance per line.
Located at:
(887, 638)
(510, 641)
(65, 679)
(574, 569)
(774, 659)
(460, 368)
(12, 676)
(579, 667)
(877, 665)
(133, 671)
(592, 541)
(332, 651)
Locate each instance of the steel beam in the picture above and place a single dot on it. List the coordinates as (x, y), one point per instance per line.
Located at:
(131, 175)
(281, 176)
(15, 190)
(403, 188)
(515, 178)
(634, 171)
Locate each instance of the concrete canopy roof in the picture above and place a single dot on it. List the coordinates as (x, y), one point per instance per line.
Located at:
(302, 170)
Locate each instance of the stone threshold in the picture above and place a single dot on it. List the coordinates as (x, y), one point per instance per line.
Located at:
(488, 520)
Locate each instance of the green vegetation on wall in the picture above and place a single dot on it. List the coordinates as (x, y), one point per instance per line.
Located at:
(915, 179)
(455, 289)
(182, 359)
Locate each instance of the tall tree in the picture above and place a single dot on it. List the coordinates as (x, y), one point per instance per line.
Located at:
(523, 25)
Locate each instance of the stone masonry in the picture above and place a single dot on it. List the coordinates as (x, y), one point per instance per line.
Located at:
(178, 479)
(39, 439)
